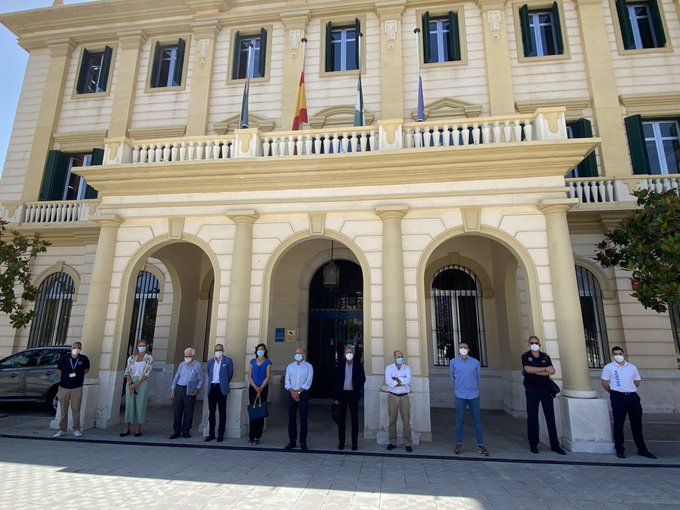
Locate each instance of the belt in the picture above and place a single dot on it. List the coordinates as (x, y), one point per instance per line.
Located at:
(398, 394)
(215, 384)
(181, 386)
(625, 392)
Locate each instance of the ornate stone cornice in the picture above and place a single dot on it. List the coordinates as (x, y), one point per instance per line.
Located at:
(664, 103)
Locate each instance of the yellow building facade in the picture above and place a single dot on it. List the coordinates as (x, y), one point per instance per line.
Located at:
(172, 221)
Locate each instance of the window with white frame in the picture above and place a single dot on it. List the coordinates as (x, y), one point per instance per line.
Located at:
(342, 47)
(257, 45)
(662, 139)
(441, 38)
(541, 31)
(641, 24)
(168, 64)
(94, 71)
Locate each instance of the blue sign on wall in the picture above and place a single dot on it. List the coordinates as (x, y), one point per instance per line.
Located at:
(280, 335)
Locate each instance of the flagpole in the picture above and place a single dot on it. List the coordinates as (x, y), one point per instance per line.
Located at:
(359, 115)
(243, 121)
(420, 115)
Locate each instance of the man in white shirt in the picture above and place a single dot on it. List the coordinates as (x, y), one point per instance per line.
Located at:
(398, 378)
(299, 375)
(621, 380)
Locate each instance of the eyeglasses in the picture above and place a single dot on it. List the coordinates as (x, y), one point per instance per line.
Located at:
(534, 343)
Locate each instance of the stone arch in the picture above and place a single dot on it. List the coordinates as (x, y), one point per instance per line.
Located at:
(60, 267)
(457, 259)
(599, 274)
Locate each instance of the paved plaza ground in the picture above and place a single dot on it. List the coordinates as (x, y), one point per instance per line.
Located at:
(102, 470)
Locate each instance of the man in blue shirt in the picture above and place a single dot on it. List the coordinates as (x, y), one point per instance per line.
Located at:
(299, 376)
(464, 371)
(187, 383)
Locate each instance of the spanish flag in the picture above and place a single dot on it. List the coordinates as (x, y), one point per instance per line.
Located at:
(301, 105)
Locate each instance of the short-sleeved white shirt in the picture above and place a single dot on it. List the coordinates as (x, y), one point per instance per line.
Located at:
(621, 378)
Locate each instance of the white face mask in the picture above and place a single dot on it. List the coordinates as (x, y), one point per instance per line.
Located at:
(619, 358)
(463, 351)
(260, 353)
(219, 354)
(349, 356)
(141, 349)
(298, 357)
(75, 352)
(535, 347)
(187, 359)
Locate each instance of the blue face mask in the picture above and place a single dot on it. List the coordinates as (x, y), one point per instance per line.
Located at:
(260, 353)
(298, 357)
(141, 349)
(400, 361)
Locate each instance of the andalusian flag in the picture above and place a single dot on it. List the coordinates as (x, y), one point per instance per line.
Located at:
(359, 118)
(301, 105)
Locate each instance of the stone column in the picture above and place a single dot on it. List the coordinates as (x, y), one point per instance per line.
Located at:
(609, 126)
(296, 24)
(394, 311)
(497, 57)
(48, 116)
(391, 63)
(203, 47)
(584, 418)
(129, 48)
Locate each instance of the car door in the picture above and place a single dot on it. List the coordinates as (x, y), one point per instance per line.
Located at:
(12, 371)
(41, 375)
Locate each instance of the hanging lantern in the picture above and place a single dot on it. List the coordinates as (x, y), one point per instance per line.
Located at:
(331, 273)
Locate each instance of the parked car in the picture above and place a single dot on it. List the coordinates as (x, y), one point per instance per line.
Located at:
(31, 375)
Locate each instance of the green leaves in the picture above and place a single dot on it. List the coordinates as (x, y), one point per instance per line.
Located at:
(16, 253)
(648, 244)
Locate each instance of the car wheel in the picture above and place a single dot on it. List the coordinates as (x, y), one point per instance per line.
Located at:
(52, 399)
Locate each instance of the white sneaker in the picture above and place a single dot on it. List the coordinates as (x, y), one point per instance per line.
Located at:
(77, 433)
(58, 433)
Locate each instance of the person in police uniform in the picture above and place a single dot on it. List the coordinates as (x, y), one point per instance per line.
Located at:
(621, 380)
(537, 369)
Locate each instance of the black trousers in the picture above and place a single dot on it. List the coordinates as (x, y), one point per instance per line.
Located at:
(349, 399)
(293, 407)
(540, 395)
(623, 405)
(183, 411)
(256, 426)
(217, 401)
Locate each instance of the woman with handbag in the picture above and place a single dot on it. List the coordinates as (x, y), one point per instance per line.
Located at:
(260, 372)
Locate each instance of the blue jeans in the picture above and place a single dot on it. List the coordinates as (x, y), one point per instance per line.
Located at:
(473, 404)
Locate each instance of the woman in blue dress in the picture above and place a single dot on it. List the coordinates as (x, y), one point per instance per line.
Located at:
(260, 373)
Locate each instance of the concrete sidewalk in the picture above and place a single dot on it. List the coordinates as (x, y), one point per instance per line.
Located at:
(504, 436)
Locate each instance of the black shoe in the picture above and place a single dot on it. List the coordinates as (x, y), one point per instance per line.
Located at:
(533, 449)
(354, 447)
(558, 450)
(256, 442)
(341, 446)
(303, 447)
(220, 439)
(621, 455)
(409, 449)
(209, 438)
(123, 434)
(647, 454)
(174, 436)
(138, 434)
(390, 447)
(186, 436)
(289, 446)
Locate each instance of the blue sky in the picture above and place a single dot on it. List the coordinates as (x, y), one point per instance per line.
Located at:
(14, 64)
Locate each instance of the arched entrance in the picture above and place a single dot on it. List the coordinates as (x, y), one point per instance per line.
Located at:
(335, 321)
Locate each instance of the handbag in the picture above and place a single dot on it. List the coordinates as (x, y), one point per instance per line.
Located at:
(258, 409)
(554, 388)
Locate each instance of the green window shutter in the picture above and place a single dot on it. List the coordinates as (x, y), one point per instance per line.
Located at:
(636, 143)
(97, 159)
(179, 63)
(106, 66)
(263, 52)
(454, 37)
(625, 25)
(357, 32)
(236, 57)
(82, 75)
(426, 37)
(557, 26)
(54, 176)
(582, 128)
(526, 30)
(657, 24)
(156, 69)
(329, 48)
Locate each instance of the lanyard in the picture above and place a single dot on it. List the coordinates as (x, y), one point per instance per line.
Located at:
(73, 367)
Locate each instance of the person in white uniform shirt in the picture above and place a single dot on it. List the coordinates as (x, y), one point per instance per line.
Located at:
(299, 375)
(398, 378)
(621, 380)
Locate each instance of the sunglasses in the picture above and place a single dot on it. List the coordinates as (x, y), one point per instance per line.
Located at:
(534, 343)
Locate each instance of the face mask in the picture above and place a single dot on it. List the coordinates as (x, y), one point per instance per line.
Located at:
(400, 361)
(463, 351)
(618, 358)
(75, 352)
(142, 349)
(298, 357)
(260, 353)
(219, 354)
(349, 356)
(187, 359)
(535, 347)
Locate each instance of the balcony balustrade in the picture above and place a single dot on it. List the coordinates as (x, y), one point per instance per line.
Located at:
(598, 190)
(52, 212)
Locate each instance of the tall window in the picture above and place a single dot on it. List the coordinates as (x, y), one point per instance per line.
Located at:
(143, 324)
(59, 180)
(674, 312)
(541, 31)
(640, 23)
(456, 299)
(654, 145)
(94, 71)
(441, 38)
(592, 312)
(342, 48)
(206, 335)
(168, 64)
(258, 55)
(52, 311)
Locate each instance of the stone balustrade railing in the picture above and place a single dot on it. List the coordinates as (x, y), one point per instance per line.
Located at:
(386, 135)
(594, 190)
(57, 211)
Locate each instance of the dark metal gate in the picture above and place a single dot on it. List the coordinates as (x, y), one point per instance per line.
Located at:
(143, 322)
(53, 311)
(592, 311)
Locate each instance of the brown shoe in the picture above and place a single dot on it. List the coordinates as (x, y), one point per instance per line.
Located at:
(483, 451)
(458, 449)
